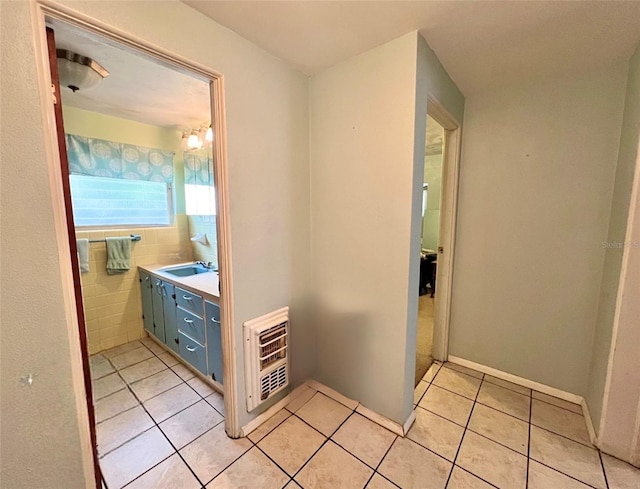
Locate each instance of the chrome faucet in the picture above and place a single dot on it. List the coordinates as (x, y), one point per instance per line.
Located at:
(209, 265)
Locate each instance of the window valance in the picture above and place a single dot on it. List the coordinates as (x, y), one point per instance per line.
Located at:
(101, 158)
(198, 167)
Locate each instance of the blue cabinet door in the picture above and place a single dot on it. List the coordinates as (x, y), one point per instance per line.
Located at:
(158, 309)
(214, 341)
(147, 302)
(169, 309)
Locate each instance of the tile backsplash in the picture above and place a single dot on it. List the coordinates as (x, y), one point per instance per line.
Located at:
(207, 225)
(112, 304)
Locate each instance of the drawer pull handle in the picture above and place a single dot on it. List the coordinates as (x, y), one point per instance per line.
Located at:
(188, 321)
(187, 297)
(191, 348)
(217, 321)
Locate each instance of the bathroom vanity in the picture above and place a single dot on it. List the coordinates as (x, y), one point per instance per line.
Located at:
(181, 310)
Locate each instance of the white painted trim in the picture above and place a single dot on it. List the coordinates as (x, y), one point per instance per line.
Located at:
(265, 416)
(62, 241)
(335, 395)
(447, 231)
(383, 421)
(409, 422)
(52, 9)
(314, 385)
(589, 422)
(628, 237)
(537, 386)
(281, 404)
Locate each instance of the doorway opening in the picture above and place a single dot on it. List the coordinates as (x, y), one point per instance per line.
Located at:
(431, 201)
(135, 188)
(439, 202)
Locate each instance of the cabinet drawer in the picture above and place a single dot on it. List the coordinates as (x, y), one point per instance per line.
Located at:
(191, 325)
(214, 341)
(189, 301)
(193, 352)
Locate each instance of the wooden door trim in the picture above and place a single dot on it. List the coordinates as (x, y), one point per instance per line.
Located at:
(73, 250)
(447, 230)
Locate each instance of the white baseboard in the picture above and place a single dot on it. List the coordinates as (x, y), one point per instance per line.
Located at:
(545, 389)
(335, 395)
(281, 404)
(302, 392)
(381, 420)
(537, 386)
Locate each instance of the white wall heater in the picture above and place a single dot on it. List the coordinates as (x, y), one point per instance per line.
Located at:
(266, 356)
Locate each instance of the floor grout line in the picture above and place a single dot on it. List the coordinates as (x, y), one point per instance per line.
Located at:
(453, 465)
(604, 471)
(329, 438)
(157, 425)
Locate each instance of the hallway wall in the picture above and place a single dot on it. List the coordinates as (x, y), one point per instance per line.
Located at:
(536, 182)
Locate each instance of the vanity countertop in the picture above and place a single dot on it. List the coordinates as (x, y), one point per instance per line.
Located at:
(201, 283)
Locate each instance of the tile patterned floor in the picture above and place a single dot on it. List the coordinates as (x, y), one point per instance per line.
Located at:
(161, 427)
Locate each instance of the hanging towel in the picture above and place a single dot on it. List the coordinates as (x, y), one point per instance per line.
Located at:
(118, 255)
(83, 254)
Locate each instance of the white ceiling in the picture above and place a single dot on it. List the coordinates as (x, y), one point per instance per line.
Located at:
(482, 44)
(138, 88)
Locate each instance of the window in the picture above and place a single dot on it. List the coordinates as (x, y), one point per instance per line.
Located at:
(119, 184)
(200, 200)
(99, 201)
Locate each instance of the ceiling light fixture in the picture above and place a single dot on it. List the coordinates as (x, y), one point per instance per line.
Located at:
(78, 72)
(197, 139)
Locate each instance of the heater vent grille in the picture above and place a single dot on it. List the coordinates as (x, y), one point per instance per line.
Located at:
(266, 355)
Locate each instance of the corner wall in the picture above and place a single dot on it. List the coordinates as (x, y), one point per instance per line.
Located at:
(620, 208)
(536, 182)
(367, 133)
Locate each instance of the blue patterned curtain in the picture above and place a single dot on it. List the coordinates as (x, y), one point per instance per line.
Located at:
(198, 167)
(100, 158)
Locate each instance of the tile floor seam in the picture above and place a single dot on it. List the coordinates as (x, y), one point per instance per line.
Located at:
(441, 416)
(156, 425)
(560, 472)
(510, 388)
(496, 442)
(466, 428)
(503, 412)
(117, 414)
(428, 449)
(351, 453)
(236, 460)
(375, 471)
(327, 439)
(555, 405)
(101, 456)
(563, 436)
(474, 475)
(604, 471)
(272, 460)
(451, 392)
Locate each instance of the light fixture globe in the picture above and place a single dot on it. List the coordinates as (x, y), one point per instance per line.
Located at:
(78, 72)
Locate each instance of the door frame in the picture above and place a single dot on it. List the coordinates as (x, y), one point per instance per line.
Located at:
(447, 228)
(43, 9)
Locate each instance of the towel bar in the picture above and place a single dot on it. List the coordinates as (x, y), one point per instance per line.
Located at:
(134, 237)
